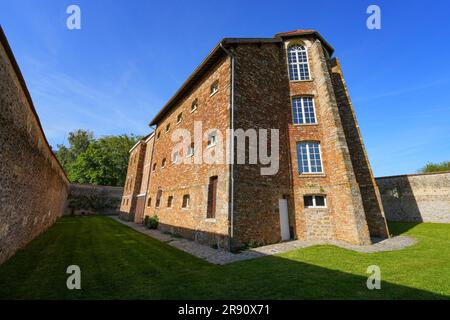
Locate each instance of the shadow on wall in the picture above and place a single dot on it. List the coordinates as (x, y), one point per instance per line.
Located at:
(91, 199)
(417, 197)
(371, 201)
(398, 199)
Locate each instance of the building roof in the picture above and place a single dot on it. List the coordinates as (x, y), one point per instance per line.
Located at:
(143, 139)
(218, 52)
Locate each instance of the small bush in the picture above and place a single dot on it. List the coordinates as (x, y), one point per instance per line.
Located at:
(153, 222)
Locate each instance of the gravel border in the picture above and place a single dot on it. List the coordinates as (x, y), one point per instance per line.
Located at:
(222, 257)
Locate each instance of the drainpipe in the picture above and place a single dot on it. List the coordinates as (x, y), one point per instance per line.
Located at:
(147, 193)
(231, 207)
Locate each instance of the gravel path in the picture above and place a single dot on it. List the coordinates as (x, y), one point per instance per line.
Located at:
(223, 257)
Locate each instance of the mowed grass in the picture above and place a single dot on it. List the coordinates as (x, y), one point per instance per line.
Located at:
(119, 263)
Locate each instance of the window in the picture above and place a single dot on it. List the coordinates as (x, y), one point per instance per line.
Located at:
(190, 151)
(149, 202)
(169, 201)
(298, 63)
(163, 163)
(212, 139)
(168, 127)
(127, 201)
(315, 201)
(158, 135)
(303, 110)
(158, 198)
(309, 157)
(179, 118)
(194, 105)
(214, 87)
(186, 200)
(154, 166)
(175, 157)
(212, 196)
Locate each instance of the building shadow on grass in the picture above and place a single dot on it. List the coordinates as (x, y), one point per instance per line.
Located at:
(266, 276)
(156, 270)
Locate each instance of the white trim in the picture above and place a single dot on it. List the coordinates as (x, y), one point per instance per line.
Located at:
(297, 64)
(308, 158)
(315, 206)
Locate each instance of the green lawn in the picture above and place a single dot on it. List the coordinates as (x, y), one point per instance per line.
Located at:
(119, 263)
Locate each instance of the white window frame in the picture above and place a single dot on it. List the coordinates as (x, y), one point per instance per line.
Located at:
(188, 202)
(175, 156)
(297, 64)
(315, 206)
(190, 151)
(301, 98)
(194, 103)
(212, 135)
(214, 88)
(308, 157)
(179, 117)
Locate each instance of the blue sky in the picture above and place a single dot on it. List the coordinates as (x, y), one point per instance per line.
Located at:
(129, 57)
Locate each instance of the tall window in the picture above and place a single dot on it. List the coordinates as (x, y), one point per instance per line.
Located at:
(158, 198)
(190, 151)
(298, 63)
(175, 157)
(212, 195)
(303, 110)
(194, 105)
(186, 201)
(214, 87)
(169, 201)
(309, 157)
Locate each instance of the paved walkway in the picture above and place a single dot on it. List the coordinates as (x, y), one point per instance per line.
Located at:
(224, 257)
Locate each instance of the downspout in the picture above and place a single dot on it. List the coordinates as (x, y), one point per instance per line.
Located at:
(231, 137)
(150, 169)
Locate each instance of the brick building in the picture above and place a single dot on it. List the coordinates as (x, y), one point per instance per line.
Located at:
(323, 188)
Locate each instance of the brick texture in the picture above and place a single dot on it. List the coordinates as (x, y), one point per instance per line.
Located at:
(248, 202)
(33, 185)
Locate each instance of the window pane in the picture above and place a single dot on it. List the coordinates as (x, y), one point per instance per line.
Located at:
(320, 201)
(298, 63)
(308, 201)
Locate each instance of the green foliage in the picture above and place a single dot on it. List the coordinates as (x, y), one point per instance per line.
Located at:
(102, 161)
(436, 167)
(152, 222)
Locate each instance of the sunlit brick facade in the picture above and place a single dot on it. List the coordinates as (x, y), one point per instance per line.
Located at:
(323, 188)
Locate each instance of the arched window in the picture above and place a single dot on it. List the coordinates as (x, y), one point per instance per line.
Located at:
(298, 63)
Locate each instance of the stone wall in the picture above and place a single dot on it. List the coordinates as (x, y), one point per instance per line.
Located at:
(33, 185)
(416, 197)
(360, 161)
(90, 199)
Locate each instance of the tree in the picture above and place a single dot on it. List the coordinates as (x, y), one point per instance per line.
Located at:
(102, 162)
(436, 167)
(79, 141)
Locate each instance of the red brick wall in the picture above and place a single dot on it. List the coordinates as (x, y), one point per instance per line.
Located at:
(133, 181)
(178, 180)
